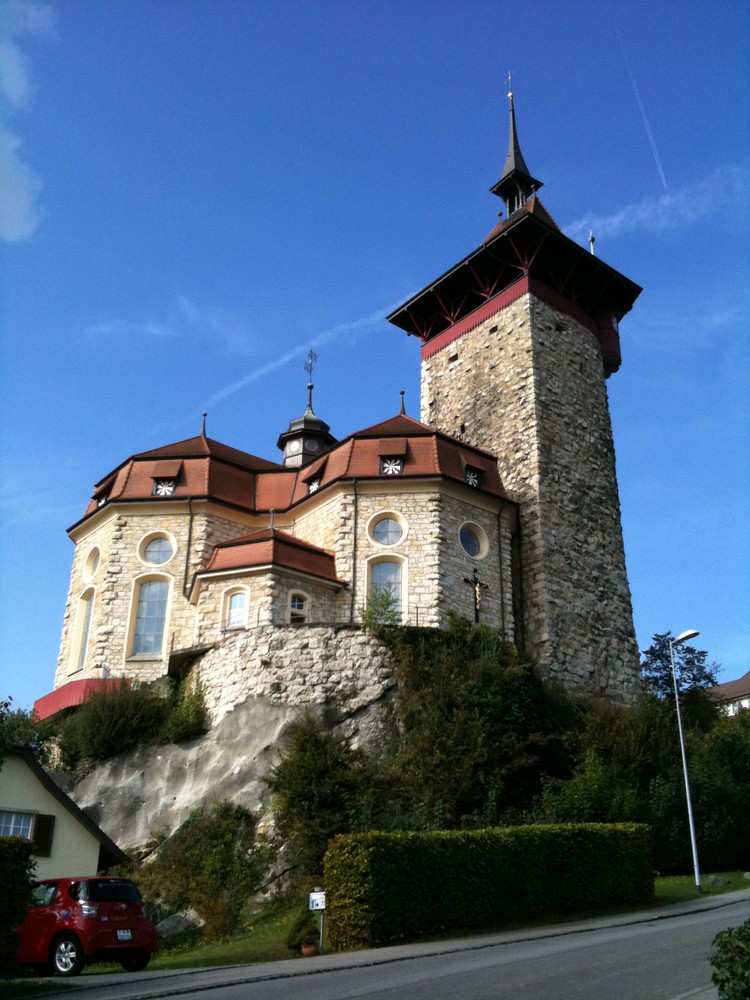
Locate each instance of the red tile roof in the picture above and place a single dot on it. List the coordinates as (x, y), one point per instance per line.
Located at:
(206, 469)
(272, 547)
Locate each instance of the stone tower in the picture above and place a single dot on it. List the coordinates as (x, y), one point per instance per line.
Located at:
(518, 339)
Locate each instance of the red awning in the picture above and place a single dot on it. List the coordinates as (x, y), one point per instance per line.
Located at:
(74, 693)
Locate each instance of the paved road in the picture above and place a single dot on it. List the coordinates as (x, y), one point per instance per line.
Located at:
(653, 955)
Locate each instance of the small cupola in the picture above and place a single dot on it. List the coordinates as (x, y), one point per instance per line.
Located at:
(307, 436)
(516, 185)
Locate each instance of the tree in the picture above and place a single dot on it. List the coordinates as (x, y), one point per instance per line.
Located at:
(317, 788)
(213, 862)
(692, 670)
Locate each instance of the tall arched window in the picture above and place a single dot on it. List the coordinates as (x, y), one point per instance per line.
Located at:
(151, 613)
(385, 577)
(82, 630)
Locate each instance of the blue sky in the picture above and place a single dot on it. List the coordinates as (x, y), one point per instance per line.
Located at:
(197, 192)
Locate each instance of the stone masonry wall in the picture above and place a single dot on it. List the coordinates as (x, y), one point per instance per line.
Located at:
(119, 539)
(296, 664)
(528, 384)
(493, 565)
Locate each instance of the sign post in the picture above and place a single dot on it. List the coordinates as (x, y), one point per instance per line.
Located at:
(318, 904)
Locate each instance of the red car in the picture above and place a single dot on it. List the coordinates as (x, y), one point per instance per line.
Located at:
(73, 921)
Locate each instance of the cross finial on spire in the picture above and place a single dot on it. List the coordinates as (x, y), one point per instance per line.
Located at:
(203, 428)
(312, 357)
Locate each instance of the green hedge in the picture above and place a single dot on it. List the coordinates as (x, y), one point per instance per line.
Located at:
(730, 963)
(17, 866)
(383, 887)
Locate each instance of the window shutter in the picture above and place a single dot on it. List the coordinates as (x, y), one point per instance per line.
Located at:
(42, 836)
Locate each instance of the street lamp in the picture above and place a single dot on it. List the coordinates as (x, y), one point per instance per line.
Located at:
(690, 634)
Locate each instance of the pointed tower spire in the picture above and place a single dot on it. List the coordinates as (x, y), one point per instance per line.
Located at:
(516, 184)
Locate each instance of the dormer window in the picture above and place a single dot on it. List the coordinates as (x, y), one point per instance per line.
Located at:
(471, 476)
(163, 488)
(314, 485)
(164, 476)
(391, 466)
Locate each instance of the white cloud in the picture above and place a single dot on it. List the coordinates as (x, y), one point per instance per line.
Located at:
(217, 324)
(129, 328)
(20, 212)
(726, 187)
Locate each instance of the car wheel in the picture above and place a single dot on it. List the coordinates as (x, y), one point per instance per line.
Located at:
(67, 956)
(135, 961)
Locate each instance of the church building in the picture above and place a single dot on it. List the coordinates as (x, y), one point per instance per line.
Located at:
(500, 504)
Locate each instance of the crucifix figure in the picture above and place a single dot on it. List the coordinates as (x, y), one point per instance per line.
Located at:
(478, 586)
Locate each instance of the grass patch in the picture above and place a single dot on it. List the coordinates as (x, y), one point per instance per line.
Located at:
(262, 940)
(681, 888)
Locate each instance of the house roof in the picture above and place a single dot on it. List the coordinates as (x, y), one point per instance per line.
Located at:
(732, 690)
(110, 854)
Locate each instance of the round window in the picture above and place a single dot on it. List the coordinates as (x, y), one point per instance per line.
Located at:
(387, 531)
(470, 542)
(158, 551)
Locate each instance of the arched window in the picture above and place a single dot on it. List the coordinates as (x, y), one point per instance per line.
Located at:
(298, 608)
(235, 608)
(386, 582)
(151, 612)
(82, 630)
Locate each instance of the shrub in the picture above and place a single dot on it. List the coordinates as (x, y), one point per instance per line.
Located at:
(187, 716)
(111, 722)
(17, 866)
(730, 963)
(477, 729)
(318, 786)
(212, 863)
(304, 930)
(383, 887)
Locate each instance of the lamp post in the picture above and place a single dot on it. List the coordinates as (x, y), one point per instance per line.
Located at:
(690, 634)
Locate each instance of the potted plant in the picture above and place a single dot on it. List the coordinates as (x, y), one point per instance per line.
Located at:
(304, 935)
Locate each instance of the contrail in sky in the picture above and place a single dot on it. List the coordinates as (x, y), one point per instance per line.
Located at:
(649, 133)
(332, 333)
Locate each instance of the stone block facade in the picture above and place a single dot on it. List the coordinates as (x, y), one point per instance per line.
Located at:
(528, 382)
(111, 563)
